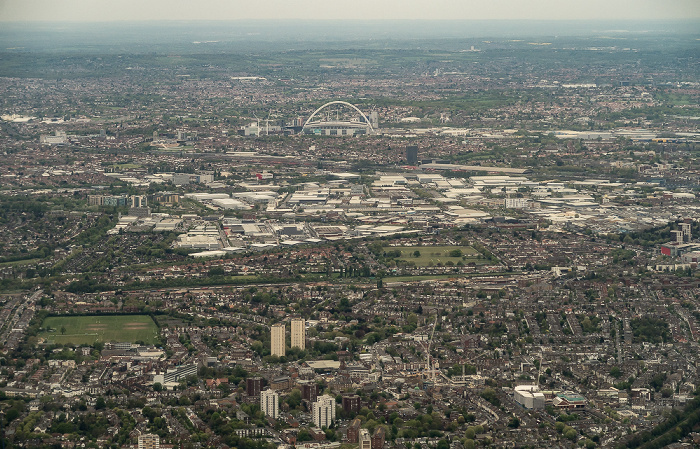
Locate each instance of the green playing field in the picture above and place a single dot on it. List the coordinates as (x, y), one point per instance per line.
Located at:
(424, 256)
(79, 330)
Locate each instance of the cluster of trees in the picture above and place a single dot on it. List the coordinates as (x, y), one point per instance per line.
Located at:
(489, 394)
(88, 425)
(650, 329)
(589, 324)
(566, 431)
(224, 426)
(657, 381)
(457, 370)
(93, 285)
(625, 385)
(620, 255)
(649, 237)
(91, 425)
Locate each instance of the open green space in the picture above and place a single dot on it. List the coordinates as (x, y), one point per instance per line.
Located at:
(677, 99)
(16, 263)
(127, 166)
(427, 256)
(79, 330)
(438, 277)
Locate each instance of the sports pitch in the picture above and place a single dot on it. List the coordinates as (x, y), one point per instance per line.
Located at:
(88, 330)
(433, 255)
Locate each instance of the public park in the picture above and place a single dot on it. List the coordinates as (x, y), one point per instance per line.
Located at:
(87, 330)
(426, 256)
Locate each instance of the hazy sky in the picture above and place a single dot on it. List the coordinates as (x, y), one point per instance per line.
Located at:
(118, 10)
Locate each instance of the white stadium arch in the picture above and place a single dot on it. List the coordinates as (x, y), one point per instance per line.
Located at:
(339, 127)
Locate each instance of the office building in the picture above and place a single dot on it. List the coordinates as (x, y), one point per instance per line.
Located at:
(149, 441)
(277, 340)
(60, 138)
(324, 411)
(269, 403)
(122, 200)
(183, 136)
(139, 201)
(96, 200)
(374, 119)
(108, 200)
(515, 203)
(677, 236)
(179, 373)
(685, 228)
(179, 179)
(412, 154)
(299, 333)
(167, 198)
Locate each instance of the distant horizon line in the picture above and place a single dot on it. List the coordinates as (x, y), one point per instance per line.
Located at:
(606, 20)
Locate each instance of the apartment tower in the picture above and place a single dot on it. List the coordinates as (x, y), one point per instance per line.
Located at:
(299, 333)
(277, 339)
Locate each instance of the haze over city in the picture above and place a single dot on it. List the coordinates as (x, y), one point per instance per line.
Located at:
(133, 10)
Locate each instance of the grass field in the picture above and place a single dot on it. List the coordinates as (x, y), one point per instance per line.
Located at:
(17, 263)
(432, 255)
(126, 166)
(438, 277)
(91, 329)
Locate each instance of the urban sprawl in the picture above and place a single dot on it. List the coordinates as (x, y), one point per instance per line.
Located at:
(494, 245)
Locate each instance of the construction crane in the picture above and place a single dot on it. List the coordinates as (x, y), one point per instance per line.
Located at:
(430, 372)
(539, 370)
(267, 123)
(257, 124)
